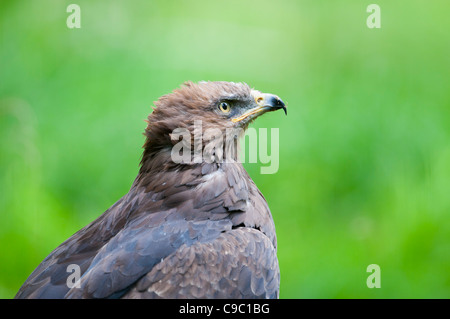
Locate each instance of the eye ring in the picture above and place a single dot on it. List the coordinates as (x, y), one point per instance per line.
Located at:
(225, 107)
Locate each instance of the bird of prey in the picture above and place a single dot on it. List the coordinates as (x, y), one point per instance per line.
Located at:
(186, 229)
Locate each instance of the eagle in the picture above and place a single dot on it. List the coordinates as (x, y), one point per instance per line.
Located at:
(193, 225)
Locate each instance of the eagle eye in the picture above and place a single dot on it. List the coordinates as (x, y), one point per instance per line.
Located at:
(225, 107)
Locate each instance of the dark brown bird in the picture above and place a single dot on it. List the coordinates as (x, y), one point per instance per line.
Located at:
(191, 228)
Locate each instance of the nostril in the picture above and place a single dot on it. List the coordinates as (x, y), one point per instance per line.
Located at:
(279, 102)
(274, 101)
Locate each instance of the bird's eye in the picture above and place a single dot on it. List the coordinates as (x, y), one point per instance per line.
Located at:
(225, 107)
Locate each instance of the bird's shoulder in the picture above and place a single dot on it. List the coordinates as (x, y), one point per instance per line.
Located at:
(162, 212)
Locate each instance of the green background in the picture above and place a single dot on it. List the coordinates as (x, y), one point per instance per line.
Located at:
(364, 174)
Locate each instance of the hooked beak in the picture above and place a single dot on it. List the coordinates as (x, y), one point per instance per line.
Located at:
(265, 103)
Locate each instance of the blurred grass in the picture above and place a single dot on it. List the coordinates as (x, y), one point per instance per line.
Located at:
(364, 153)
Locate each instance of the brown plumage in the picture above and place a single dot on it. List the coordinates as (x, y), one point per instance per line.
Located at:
(185, 229)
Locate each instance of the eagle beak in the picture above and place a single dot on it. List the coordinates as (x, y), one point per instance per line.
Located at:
(271, 102)
(265, 103)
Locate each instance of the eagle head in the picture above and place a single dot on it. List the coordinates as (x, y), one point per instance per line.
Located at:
(205, 108)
